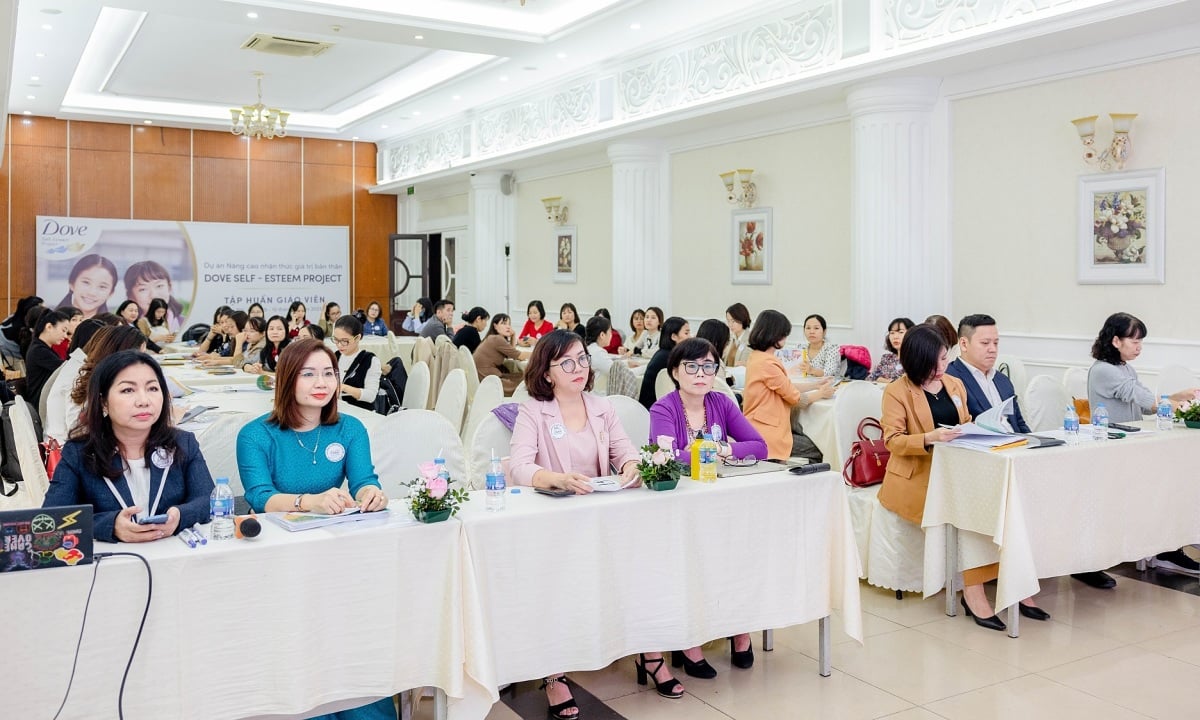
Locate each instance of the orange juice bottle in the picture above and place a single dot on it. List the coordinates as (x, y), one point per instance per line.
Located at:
(694, 466)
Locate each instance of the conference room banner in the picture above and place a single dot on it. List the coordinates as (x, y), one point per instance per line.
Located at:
(95, 264)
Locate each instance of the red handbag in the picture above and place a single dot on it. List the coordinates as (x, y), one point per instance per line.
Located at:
(868, 459)
(53, 454)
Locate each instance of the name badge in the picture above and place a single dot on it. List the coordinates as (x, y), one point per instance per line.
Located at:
(334, 452)
(957, 402)
(161, 458)
(558, 431)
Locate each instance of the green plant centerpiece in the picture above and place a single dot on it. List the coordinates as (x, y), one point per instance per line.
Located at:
(657, 464)
(1189, 412)
(430, 497)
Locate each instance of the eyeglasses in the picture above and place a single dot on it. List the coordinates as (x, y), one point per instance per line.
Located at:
(311, 375)
(568, 365)
(744, 462)
(344, 342)
(691, 368)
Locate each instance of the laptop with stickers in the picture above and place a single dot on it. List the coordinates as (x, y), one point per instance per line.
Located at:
(36, 538)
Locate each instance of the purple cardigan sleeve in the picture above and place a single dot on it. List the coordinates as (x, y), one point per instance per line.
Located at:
(740, 434)
(666, 418)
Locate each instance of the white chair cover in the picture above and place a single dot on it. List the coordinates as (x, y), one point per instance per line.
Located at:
(489, 395)
(896, 553)
(490, 434)
(218, 444)
(416, 392)
(634, 418)
(1044, 403)
(663, 384)
(723, 387)
(520, 394)
(600, 383)
(1174, 378)
(46, 394)
(452, 399)
(1075, 381)
(422, 350)
(408, 438)
(442, 339)
(855, 401)
(466, 361)
(36, 482)
(1015, 370)
(622, 381)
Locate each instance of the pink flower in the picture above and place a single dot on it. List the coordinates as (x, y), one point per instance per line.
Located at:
(659, 458)
(428, 470)
(665, 442)
(437, 487)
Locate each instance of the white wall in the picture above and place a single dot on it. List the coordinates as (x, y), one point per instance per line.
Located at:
(804, 176)
(432, 209)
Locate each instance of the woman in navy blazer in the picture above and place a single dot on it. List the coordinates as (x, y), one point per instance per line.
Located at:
(127, 461)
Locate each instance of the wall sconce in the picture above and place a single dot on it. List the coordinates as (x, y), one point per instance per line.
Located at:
(1118, 149)
(556, 211)
(746, 192)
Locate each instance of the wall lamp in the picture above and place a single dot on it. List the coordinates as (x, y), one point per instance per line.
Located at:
(738, 188)
(556, 210)
(1118, 150)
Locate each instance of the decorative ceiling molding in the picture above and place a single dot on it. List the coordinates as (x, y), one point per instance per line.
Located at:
(911, 22)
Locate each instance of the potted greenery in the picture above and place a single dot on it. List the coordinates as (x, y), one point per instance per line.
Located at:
(431, 499)
(657, 465)
(1189, 412)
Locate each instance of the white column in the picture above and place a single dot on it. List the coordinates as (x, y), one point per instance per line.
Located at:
(493, 227)
(900, 254)
(641, 240)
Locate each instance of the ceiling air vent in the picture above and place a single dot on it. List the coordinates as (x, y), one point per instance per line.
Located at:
(291, 47)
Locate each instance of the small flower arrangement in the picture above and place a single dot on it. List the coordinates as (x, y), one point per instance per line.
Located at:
(657, 465)
(1188, 411)
(430, 497)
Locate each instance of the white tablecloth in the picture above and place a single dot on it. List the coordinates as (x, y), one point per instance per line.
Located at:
(574, 583)
(1054, 511)
(285, 624)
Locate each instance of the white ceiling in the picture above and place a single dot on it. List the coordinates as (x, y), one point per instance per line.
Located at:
(396, 65)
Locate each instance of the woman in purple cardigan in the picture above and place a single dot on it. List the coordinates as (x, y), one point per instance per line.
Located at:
(694, 408)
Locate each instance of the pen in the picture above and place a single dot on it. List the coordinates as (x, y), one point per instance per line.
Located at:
(200, 538)
(183, 538)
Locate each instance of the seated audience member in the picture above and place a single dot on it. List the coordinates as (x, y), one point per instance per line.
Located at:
(332, 312)
(360, 369)
(74, 317)
(296, 318)
(821, 358)
(947, 331)
(536, 326)
(217, 342)
(614, 343)
(105, 342)
(54, 425)
(568, 319)
(564, 436)
(497, 346)
(1113, 382)
(154, 323)
(375, 324)
(694, 409)
(717, 333)
(126, 459)
(596, 336)
(653, 322)
(128, 312)
(770, 392)
(439, 324)
(979, 346)
(277, 340)
(737, 317)
(256, 310)
(311, 332)
(888, 368)
(234, 327)
(11, 328)
(418, 316)
(674, 331)
(40, 359)
(29, 330)
(637, 326)
(256, 341)
(471, 334)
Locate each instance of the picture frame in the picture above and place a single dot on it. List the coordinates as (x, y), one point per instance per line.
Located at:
(1122, 228)
(751, 246)
(566, 254)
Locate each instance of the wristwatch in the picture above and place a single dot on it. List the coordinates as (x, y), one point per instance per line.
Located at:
(296, 504)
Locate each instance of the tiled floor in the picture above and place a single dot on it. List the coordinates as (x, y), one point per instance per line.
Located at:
(1132, 652)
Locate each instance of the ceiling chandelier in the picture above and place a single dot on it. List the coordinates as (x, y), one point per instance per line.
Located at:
(258, 120)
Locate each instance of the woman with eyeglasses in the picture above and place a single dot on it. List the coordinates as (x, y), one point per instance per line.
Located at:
(360, 369)
(563, 437)
(694, 408)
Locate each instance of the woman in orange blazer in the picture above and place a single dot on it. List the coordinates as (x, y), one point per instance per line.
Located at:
(916, 406)
(770, 394)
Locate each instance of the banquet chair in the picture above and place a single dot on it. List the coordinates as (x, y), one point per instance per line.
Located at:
(1044, 403)
(855, 401)
(634, 418)
(1015, 370)
(34, 481)
(45, 396)
(663, 384)
(1075, 381)
(488, 435)
(489, 395)
(725, 388)
(600, 383)
(425, 433)
(466, 362)
(452, 399)
(441, 340)
(520, 394)
(422, 350)
(622, 381)
(218, 445)
(416, 392)
(1173, 378)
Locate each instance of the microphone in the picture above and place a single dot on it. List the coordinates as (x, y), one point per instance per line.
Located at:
(810, 468)
(246, 527)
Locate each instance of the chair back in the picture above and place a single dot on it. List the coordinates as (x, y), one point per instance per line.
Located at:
(600, 382)
(622, 381)
(489, 434)
(44, 398)
(663, 384)
(634, 418)
(466, 362)
(25, 437)
(1075, 381)
(1044, 403)
(218, 444)
(422, 350)
(1174, 378)
(489, 395)
(404, 440)
(416, 391)
(452, 399)
(854, 401)
(1012, 366)
(520, 394)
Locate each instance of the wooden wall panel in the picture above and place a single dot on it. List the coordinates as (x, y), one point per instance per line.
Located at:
(38, 165)
(328, 194)
(328, 152)
(162, 173)
(374, 221)
(275, 172)
(100, 177)
(7, 298)
(220, 177)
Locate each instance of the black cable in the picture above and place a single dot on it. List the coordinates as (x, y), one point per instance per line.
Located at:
(136, 640)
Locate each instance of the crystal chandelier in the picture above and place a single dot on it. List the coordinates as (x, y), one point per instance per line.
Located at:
(257, 120)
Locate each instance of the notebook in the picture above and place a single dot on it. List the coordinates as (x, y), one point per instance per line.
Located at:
(37, 538)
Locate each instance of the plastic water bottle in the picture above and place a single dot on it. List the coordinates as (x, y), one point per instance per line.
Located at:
(1071, 425)
(708, 459)
(495, 485)
(442, 472)
(1100, 422)
(221, 504)
(1164, 421)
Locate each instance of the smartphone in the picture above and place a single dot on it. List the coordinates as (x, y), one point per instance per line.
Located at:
(1125, 428)
(152, 520)
(554, 492)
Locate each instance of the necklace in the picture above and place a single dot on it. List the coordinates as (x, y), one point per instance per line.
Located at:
(692, 432)
(315, 446)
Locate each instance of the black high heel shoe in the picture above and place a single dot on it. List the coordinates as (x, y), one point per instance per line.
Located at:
(700, 669)
(672, 688)
(743, 659)
(556, 711)
(1032, 612)
(991, 623)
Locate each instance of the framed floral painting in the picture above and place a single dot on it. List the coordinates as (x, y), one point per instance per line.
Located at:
(1121, 228)
(566, 254)
(752, 245)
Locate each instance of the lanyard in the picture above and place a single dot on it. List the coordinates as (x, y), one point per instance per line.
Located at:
(162, 484)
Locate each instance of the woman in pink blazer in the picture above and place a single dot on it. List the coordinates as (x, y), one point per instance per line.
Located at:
(563, 437)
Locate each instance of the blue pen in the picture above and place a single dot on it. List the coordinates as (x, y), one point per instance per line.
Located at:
(200, 538)
(183, 538)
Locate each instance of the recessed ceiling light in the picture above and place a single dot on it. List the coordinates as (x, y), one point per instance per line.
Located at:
(31, 97)
(47, 26)
(416, 113)
(561, 56)
(635, 26)
(354, 138)
(252, 15)
(147, 122)
(34, 78)
(27, 112)
(39, 55)
(503, 78)
(418, 37)
(52, 11)
(383, 127)
(456, 97)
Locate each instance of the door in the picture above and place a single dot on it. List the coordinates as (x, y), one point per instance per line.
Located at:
(409, 274)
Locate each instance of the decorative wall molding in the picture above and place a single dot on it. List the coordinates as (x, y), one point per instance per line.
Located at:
(909, 22)
(566, 113)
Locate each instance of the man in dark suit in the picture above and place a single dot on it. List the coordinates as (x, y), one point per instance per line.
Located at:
(979, 345)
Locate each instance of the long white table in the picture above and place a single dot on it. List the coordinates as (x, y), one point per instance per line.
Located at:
(287, 624)
(575, 583)
(1060, 510)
